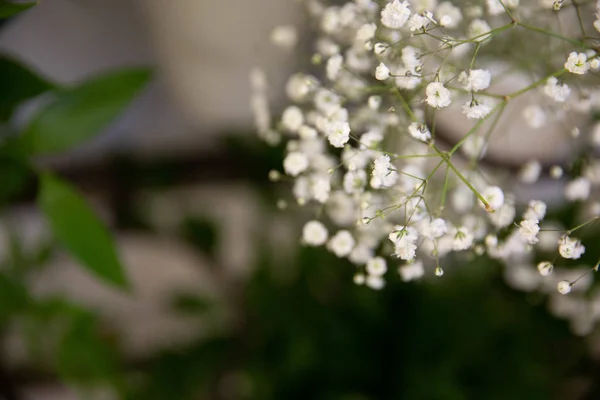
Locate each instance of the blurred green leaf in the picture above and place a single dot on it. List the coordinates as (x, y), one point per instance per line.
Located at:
(80, 113)
(19, 83)
(13, 297)
(79, 229)
(83, 356)
(8, 8)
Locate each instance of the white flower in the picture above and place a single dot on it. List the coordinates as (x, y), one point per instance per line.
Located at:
(530, 172)
(536, 210)
(463, 239)
(359, 279)
(557, 90)
(382, 72)
(448, 15)
(578, 189)
(494, 196)
(370, 140)
(474, 109)
(341, 244)
(338, 133)
(366, 32)
(284, 36)
(528, 230)
(376, 266)
(405, 248)
(564, 287)
(433, 229)
(419, 131)
(410, 272)
(437, 95)
(360, 254)
(334, 66)
(420, 20)
(374, 102)
(383, 174)
(577, 63)
(354, 181)
(320, 187)
(503, 216)
(395, 14)
(375, 282)
(545, 268)
(477, 30)
(295, 163)
(314, 233)
(292, 118)
(570, 248)
(534, 116)
(475, 80)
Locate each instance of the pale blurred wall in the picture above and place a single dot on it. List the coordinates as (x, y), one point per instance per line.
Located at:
(203, 50)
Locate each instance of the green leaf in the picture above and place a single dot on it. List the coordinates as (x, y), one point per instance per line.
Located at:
(80, 231)
(8, 8)
(18, 84)
(82, 112)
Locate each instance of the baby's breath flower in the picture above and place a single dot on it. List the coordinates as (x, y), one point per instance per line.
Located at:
(557, 90)
(411, 272)
(475, 80)
(395, 14)
(341, 244)
(419, 131)
(577, 63)
(437, 95)
(545, 268)
(564, 287)
(382, 72)
(314, 233)
(474, 109)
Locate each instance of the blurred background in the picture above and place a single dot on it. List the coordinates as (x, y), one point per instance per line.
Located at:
(224, 303)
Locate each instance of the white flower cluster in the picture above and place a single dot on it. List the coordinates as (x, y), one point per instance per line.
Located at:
(362, 145)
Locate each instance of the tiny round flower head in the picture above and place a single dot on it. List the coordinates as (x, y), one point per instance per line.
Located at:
(474, 109)
(439, 271)
(478, 29)
(420, 21)
(376, 266)
(374, 102)
(338, 133)
(578, 189)
(359, 279)
(295, 163)
(475, 80)
(292, 118)
(494, 196)
(341, 244)
(556, 172)
(528, 230)
(437, 95)
(577, 63)
(284, 36)
(375, 282)
(382, 72)
(564, 287)
(545, 268)
(334, 66)
(419, 131)
(395, 14)
(570, 248)
(448, 15)
(530, 172)
(463, 239)
(314, 233)
(557, 90)
(536, 210)
(366, 32)
(410, 272)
